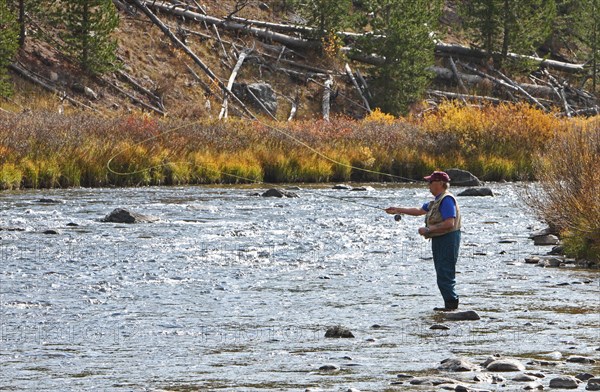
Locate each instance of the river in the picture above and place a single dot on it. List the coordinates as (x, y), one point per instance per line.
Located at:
(229, 291)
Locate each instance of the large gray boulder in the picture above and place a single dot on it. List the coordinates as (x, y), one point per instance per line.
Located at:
(121, 215)
(564, 382)
(460, 177)
(505, 365)
(260, 94)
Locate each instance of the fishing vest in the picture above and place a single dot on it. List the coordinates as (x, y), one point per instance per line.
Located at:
(434, 216)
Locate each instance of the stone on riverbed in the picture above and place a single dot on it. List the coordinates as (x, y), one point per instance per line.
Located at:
(467, 315)
(476, 192)
(580, 359)
(593, 384)
(536, 385)
(505, 365)
(329, 368)
(338, 331)
(457, 365)
(565, 382)
(342, 187)
(460, 177)
(121, 215)
(524, 378)
(363, 188)
(432, 381)
(278, 193)
(544, 240)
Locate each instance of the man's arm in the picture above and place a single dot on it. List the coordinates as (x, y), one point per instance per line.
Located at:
(407, 211)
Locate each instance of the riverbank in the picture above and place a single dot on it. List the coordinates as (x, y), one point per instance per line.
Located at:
(48, 150)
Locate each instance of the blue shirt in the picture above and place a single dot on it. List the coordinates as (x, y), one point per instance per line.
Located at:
(447, 207)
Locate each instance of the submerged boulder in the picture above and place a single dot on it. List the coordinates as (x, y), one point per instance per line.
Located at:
(121, 215)
(476, 192)
(278, 193)
(338, 331)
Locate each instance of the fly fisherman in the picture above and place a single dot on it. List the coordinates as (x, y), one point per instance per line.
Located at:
(442, 225)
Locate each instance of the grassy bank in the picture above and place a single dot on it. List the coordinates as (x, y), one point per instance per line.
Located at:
(44, 150)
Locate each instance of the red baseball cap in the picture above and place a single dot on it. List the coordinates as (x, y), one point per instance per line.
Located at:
(438, 176)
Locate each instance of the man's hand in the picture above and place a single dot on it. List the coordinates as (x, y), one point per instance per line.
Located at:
(424, 231)
(392, 210)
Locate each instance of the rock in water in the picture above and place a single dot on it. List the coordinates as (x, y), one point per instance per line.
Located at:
(476, 192)
(338, 331)
(543, 240)
(329, 368)
(343, 187)
(121, 215)
(460, 177)
(278, 193)
(593, 384)
(566, 382)
(505, 365)
(432, 381)
(467, 315)
(457, 365)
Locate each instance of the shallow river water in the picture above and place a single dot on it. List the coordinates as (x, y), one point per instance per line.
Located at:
(234, 292)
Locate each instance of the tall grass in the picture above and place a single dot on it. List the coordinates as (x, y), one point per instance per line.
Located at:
(43, 150)
(567, 197)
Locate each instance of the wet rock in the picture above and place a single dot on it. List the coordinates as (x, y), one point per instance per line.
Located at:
(278, 193)
(557, 250)
(343, 187)
(580, 359)
(432, 381)
(338, 331)
(593, 384)
(440, 326)
(121, 215)
(556, 355)
(464, 388)
(457, 365)
(363, 188)
(330, 368)
(293, 188)
(11, 229)
(536, 374)
(524, 378)
(72, 224)
(467, 315)
(534, 386)
(584, 376)
(50, 232)
(49, 201)
(542, 232)
(566, 382)
(532, 260)
(543, 240)
(552, 262)
(489, 378)
(460, 177)
(476, 192)
(404, 376)
(491, 359)
(505, 365)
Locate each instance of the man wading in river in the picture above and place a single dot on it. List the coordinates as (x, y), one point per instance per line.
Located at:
(442, 225)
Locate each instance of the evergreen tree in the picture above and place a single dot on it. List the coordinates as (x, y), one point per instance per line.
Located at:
(402, 33)
(8, 46)
(327, 16)
(89, 24)
(503, 26)
(24, 8)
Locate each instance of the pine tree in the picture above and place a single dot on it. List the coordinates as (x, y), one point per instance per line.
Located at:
(24, 8)
(89, 24)
(8, 46)
(327, 16)
(503, 26)
(401, 32)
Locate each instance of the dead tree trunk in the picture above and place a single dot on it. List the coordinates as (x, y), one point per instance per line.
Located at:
(326, 98)
(234, 73)
(355, 83)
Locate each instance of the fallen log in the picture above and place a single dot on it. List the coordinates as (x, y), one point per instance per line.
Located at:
(231, 25)
(28, 75)
(465, 51)
(294, 108)
(141, 88)
(530, 98)
(134, 99)
(478, 98)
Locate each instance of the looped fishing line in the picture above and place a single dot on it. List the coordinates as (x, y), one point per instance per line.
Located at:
(252, 181)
